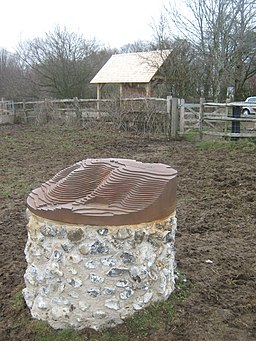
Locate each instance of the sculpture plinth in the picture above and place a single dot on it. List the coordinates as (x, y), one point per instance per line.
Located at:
(101, 242)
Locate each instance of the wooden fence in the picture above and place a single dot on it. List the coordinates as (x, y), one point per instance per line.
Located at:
(6, 112)
(215, 119)
(146, 115)
(161, 116)
(171, 117)
(227, 120)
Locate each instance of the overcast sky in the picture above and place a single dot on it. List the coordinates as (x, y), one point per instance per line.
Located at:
(113, 22)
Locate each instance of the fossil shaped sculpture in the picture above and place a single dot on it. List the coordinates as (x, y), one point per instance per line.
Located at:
(107, 191)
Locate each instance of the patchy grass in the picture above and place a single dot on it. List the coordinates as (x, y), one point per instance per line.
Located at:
(245, 145)
(192, 136)
(139, 326)
(216, 215)
(45, 333)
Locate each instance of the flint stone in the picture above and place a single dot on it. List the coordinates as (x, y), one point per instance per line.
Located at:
(127, 258)
(67, 248)
(29, 297)
(57, 255)
(115, 272)
(83, 306)
(147, 297)
(138, 273)
(75, 235)
(72, 270)
(122, 283)
(94, 292)
(55, 269)
(123, 234)
(139, 236)
(47, 230)
(112, 304)
(169, 237)
(99, 314)
(137, 306)
(60, 300)
(109, 291)
(128, 292)
(102, 232)
(108, 261)
(73, 294)
(96, 279)
(75, 282)
(84, 249)
(92, 264)
(99, 248)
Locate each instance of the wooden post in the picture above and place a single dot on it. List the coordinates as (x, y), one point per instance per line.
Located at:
(77, 109)
(45, 114)
(148, 89)
(120, 90)
(169, 110)
(120, 97)
(182, 116)
(174, 118)
(98, 98)
(236, 124)
(226, 114)
(201, 117)
(24, 111)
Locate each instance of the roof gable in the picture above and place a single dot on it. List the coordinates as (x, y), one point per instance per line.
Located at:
(139, 67)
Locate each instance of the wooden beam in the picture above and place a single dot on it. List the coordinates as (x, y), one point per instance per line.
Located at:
(174, 118)
(99, 88)
(216, 133)
(182, 116)
(148, 89)
(121, 90)
(224, 118)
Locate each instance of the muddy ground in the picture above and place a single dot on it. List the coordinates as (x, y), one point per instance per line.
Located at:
(215, 241)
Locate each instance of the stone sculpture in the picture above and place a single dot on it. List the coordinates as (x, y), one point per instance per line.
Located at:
(107, 191)
(100, 242)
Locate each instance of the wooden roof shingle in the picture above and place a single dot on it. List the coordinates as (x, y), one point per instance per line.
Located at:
(139, 67)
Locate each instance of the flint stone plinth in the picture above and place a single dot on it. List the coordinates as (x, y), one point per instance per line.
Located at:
(84, 274)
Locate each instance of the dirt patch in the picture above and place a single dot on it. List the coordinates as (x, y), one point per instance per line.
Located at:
(216, 238)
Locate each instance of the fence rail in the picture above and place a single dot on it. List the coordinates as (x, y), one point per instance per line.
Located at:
(130, 114)
(169, 116)
(236, 125)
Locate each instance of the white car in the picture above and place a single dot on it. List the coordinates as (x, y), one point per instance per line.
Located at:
(250, 110)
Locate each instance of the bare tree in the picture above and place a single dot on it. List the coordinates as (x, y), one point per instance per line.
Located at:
(11, 76)
(136, 46)
(223, 33)
(61, 63)
(180, 69)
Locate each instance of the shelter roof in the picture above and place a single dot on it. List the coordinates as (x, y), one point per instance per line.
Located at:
(139, 67)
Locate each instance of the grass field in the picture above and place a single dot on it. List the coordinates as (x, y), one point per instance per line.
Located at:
(214, 299)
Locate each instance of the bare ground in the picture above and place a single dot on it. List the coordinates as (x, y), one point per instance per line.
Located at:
(216, 238)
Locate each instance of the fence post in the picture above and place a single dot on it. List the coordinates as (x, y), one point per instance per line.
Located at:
(24, 110)
(174, 118)
(169, 109)
(201, 117)
(226, 114)
(236, 124)
(182, 116)
(77, 109)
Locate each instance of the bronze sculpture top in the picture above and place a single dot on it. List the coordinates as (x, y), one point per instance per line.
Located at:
(107, 192)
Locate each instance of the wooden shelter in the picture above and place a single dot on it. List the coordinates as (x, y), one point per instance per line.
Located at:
(133, 72)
